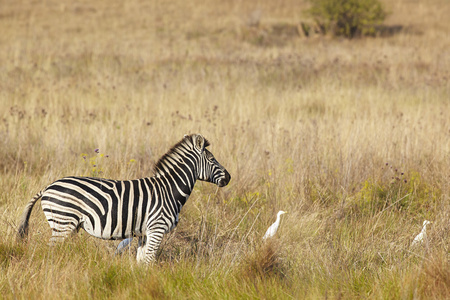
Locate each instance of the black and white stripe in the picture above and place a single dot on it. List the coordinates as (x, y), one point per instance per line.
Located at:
(116, 209)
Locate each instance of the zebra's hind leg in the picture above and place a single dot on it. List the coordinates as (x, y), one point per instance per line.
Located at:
(60, 231)
(62, 223)
(57, 237)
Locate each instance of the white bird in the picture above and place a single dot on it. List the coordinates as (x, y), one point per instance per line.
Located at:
(274, 227)
(422, 235)
(124, 245)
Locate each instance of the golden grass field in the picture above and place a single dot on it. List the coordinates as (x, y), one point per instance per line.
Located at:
(351, 137)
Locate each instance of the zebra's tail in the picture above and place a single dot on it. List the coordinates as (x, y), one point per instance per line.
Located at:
(23, 226)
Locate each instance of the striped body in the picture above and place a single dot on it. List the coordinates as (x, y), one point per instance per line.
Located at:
(114, 209)
(109, 209)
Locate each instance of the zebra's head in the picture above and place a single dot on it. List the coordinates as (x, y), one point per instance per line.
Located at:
(209, 169)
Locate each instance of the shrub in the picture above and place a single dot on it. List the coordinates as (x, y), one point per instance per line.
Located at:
(347, 17)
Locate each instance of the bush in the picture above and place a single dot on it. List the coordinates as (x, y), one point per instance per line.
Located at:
(347, 18)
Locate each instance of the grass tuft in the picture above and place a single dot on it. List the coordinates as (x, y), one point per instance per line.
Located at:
(264, 262)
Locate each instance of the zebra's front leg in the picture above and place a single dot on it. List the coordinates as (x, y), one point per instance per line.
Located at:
(150, 247)
(140, 253)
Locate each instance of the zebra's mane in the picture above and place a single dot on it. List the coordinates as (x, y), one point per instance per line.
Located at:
(186, 141)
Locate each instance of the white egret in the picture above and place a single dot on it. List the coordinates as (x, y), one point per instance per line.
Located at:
(123, 245)
(422, 235)
(274, 227)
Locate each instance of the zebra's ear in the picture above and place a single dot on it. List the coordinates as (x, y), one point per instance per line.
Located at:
(200, 143)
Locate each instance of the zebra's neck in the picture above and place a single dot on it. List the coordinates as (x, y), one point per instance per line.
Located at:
(178, 170)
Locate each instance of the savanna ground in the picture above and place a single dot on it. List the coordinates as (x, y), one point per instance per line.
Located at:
(351, 137)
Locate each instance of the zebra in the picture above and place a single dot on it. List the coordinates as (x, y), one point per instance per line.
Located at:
(117, 209)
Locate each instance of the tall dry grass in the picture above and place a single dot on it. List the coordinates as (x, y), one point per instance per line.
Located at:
(350, 137)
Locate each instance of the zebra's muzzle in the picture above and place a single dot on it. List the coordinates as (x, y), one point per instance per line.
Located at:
(224, 181)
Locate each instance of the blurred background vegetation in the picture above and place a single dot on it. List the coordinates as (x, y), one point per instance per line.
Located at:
(348, 18)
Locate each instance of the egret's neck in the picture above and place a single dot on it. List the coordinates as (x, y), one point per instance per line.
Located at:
(278, 218)
(424, 229)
